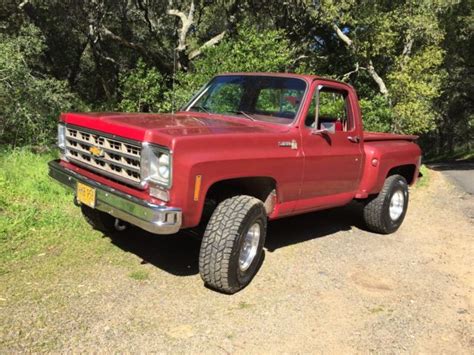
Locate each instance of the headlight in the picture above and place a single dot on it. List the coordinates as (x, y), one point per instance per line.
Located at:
(156, 165)
(164, 166)
(61, 136)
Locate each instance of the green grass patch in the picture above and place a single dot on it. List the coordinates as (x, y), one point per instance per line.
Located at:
(244, 305)
(51, 260)
(42, 233)
(139, 275)
(425, 179)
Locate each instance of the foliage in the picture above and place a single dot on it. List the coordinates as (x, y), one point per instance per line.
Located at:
(415, 87)
(29, 102)
(377, 114)
(142, 89)
(455, 107)
(409, 60)
(252, 50)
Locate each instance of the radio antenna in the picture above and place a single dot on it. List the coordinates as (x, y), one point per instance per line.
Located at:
(172, 82)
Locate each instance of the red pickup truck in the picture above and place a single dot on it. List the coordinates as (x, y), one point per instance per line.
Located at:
(247, 148)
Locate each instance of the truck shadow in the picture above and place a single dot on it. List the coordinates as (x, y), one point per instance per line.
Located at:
(178, 254)
(299, 229)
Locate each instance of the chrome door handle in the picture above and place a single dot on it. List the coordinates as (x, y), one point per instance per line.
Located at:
(354, 139)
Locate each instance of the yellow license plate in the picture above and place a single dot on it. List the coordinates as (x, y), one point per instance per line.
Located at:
(85, 195)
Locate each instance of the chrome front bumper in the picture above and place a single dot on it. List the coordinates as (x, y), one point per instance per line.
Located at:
(150, 217)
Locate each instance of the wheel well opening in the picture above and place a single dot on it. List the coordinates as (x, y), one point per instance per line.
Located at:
(263, 188)
(258, 187)
(407, 171)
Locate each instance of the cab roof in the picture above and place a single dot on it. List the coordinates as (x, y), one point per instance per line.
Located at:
(306, 77)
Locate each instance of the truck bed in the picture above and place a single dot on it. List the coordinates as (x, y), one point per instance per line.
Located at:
(378, 136)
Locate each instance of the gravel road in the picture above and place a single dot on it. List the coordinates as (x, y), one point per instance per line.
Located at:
(326, 285)
(461, 173)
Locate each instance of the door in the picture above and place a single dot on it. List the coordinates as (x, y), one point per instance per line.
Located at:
(332, 146)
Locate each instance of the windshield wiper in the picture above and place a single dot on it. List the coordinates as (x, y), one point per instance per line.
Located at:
(249, 116)
(201, 108)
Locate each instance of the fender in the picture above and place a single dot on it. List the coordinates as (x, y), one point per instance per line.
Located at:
(381, 158)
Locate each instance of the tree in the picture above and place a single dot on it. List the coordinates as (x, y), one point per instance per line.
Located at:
(455, 107)
(142, 89)
(397, 45)
(409, 59)
(29, 102)
(251, 50)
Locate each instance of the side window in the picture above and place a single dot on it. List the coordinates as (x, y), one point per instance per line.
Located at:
(332, 110)
(310, 120)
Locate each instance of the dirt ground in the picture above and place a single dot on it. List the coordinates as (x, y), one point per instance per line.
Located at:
(326, 285)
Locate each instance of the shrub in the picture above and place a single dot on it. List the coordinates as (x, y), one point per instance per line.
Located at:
(29, 103)
(141, 89)
(252, 50)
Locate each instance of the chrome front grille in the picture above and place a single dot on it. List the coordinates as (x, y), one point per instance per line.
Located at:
(110, 156)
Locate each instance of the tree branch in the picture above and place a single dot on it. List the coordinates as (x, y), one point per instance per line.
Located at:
(23, 3)
(370, 67)
(406, 50)
(382, 88)
(186, 23)
(180, 14)
(212, 42)
(348, 74)
(342, 36)
(28, 8)
(152, 23)
(104, 31)
(301, 57)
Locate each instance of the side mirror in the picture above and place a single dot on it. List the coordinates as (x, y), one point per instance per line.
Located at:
(320, 132)
(326, 128)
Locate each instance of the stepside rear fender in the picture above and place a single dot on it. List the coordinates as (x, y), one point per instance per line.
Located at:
(384, 157)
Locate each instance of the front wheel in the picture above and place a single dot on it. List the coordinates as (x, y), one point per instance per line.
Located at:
(385, 213)
(232, 246)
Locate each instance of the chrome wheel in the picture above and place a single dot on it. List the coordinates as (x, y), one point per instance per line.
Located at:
(397, 203)
(249, 248)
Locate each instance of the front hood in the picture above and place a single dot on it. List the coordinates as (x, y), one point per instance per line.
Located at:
(147, 127)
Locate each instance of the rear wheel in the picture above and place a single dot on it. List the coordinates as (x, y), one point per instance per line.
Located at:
(385, 213)
(102, 221)
(232, 246)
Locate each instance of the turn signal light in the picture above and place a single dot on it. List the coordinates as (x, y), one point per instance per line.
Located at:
(163, 195)
(197, 187)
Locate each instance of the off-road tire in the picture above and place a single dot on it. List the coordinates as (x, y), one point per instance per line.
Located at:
(99, 220)
(376, 210)
(223, 239)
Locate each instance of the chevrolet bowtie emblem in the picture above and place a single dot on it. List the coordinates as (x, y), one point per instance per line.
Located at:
(96, 151)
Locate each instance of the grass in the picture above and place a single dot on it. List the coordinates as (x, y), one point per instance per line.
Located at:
(244, 305)
(425, 180)
(50, 258)
(139, 275)
(42, 233)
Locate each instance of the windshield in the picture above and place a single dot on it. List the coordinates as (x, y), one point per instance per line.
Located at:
(264, 98)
